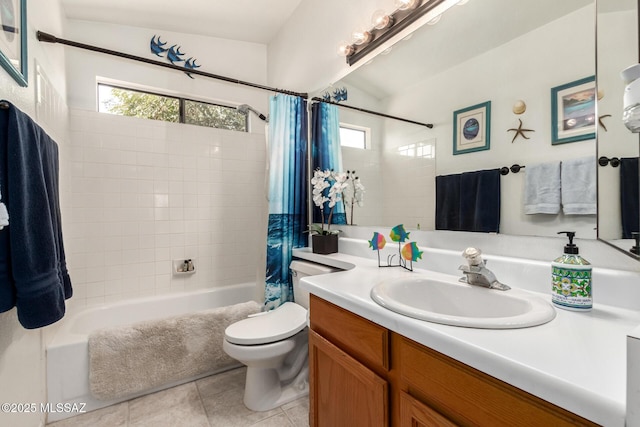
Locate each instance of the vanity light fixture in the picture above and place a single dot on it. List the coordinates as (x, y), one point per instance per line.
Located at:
(384, 26)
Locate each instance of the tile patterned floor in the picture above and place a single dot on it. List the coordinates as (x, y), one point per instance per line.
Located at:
(214, 401)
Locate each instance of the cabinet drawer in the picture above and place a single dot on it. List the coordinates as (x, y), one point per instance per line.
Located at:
(467, 396)
(357, 336)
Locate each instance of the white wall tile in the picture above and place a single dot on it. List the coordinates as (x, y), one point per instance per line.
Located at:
(145, 193)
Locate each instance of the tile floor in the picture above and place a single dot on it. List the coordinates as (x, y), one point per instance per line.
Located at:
(214, 401)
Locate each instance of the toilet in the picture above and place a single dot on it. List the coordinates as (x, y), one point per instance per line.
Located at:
(274, 347)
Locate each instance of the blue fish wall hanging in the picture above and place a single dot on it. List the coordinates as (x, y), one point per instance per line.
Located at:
(157, 46)
(172, 54)
(337, 95)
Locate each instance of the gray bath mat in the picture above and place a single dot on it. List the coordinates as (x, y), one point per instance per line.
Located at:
(129, 359)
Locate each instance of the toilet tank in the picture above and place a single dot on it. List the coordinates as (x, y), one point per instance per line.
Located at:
(300, 269)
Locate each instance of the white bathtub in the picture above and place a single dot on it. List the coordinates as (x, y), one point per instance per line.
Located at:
(68, 355)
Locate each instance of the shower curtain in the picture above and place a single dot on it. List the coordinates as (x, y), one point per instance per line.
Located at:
(326, 151)
(287, 154)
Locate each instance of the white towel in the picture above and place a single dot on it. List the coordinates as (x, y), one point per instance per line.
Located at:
(4, 215)
(578, 178)
(542, 188)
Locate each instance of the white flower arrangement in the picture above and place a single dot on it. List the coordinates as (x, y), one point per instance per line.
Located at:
(336, 183)
(353, 194)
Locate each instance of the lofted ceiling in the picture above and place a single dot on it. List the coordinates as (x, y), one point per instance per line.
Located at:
(244, 20)
(463, 32)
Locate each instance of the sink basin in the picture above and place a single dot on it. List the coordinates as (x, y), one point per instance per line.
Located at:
(459, 304)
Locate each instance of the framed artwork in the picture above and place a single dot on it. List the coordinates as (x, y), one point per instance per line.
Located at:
(573, 111)
(13, 39)
(471, 128)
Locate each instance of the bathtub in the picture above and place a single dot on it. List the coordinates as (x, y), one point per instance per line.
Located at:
(68, 356)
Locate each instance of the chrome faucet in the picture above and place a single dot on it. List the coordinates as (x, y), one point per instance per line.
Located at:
(477, 273)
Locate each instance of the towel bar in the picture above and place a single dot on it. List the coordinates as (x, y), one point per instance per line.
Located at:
(514, 168)
(604, 161)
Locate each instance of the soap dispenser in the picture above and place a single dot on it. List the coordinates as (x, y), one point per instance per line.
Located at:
(571, 279)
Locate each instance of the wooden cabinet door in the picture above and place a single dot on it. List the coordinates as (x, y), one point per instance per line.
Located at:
(414, 413)
(342, 391)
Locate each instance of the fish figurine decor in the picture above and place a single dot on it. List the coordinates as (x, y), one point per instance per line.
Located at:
(338, 95)
(173, 54)
(407, 253)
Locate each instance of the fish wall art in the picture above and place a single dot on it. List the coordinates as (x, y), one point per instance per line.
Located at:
(172, 54)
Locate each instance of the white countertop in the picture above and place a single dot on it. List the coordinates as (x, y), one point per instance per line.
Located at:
(577, 361)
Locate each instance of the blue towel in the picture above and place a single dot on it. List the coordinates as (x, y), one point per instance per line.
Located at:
(629, 196)
(448, 202)
(469, 201)
(33, 271)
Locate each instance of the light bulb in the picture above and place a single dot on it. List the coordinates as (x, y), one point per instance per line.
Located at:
(406, 4)
(345, 48)
(360, 36)
(380, 20)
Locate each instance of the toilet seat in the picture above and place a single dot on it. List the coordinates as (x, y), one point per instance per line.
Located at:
(279, 324)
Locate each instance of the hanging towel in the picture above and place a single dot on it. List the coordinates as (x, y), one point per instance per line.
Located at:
(629, 196)
(578, 178)
(480, 201)
(33, 271)
(448, 202)
(469, 201)
(542, 188)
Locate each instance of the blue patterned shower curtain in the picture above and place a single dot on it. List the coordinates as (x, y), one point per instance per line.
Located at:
(326, 151)
(287, 153)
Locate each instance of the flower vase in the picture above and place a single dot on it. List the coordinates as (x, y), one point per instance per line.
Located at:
(324, 243)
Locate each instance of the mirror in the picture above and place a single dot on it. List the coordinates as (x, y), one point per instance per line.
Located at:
(617, 48)
(491, 50)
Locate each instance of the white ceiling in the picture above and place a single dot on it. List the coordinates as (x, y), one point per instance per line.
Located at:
(244, 20)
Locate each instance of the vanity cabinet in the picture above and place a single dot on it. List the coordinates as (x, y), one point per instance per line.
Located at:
(362, 374)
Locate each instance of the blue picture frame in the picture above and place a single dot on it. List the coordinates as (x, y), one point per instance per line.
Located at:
(13, 39)
(472, 128)
(573, 111)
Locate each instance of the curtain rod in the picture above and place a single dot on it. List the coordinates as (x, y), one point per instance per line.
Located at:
(49, 38)
(316, 99)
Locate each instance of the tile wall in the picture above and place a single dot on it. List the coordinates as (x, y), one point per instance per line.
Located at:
(144, 193)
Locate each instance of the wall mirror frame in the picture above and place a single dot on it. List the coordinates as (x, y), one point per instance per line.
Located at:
(512, 45)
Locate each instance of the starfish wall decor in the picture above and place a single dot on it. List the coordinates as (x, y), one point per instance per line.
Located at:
(519, 131)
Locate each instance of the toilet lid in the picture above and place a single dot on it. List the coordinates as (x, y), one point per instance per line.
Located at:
(275, 325)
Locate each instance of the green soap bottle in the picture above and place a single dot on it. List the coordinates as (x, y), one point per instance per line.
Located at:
(571, 279)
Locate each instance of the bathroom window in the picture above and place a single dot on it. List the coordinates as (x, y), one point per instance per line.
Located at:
(354, 136)
(154, 106)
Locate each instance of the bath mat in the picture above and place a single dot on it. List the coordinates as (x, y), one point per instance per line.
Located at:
(130, 359)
